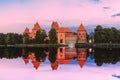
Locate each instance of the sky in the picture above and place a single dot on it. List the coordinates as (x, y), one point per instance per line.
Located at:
(15, 15)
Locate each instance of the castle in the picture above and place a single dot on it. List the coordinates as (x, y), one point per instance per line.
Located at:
(34, 30)
(64, 34)
(64, 56)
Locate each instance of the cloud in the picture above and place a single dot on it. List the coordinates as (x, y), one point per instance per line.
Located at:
(106, 7)
(116, 15)
(6, 2)
(117, 76)
(67, 12)
(96, 0)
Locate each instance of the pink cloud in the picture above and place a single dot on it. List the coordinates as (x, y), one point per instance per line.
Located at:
(71, 11)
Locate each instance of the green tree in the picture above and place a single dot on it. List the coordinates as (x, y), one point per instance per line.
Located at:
(18, 38)
(2, 39)
(10, 39)
(98, 34)
(26, 39)
(40, 37)
(52, 36)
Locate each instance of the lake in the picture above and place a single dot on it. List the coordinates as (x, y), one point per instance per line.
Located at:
(60, 63)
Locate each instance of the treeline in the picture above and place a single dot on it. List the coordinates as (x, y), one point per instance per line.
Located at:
(106, 56)
(105, 35)
(10, 38)
(40, 38)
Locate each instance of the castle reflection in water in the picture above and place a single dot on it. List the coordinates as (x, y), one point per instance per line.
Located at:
(57, 57)
(61, 56)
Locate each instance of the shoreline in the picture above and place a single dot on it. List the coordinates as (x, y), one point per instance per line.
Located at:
(80, 45)
(32, 45)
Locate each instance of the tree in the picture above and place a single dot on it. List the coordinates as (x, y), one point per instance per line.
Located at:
(18, 38)
(10, 39)
(98, 34)
(107, 35)
(52, 36)
(2, 38)
(52, 54)
(26, 38)
(38, 37)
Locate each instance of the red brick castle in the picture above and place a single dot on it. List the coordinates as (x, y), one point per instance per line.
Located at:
(64, 34)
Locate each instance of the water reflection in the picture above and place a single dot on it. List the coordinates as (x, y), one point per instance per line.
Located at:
(106, 56)
(10, 53)
(62, 56)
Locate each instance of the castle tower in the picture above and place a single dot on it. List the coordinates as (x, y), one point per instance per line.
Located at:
(54, 65)
(26, 60)
(36, 64)
(81, 57)
(55, 25)
(81, 34)
(26, 31)
(36, 27)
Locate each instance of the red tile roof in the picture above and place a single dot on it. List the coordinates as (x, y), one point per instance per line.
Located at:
(32, 34)
(54, 24)
(54, 66)
(26, 31)
(36, 26)
(81, 28)
(26, 60)
(81, 59)
(64, 30)
(36, 64)
(81, 63)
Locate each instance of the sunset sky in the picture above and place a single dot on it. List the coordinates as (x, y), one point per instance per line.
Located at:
(15, 15)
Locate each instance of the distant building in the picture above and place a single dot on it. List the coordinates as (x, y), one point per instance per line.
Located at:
(81, 34)
(34, 30)
(81, 57)
(65, 55)
(31, 56)
(66, 36)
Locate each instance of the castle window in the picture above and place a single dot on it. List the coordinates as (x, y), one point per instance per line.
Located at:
(61, 41)
(61, 50)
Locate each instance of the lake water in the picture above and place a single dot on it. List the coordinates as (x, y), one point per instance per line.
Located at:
(59, 64)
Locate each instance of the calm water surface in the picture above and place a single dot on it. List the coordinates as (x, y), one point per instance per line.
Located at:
(97, 64)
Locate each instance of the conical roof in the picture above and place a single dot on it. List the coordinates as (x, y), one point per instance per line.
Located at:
(36, 26)
(81, 63)
(26, 60)
(36, 64)
(26, 31)
(54, 24)
(81, 59)
(81, 28)
(54, 66)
